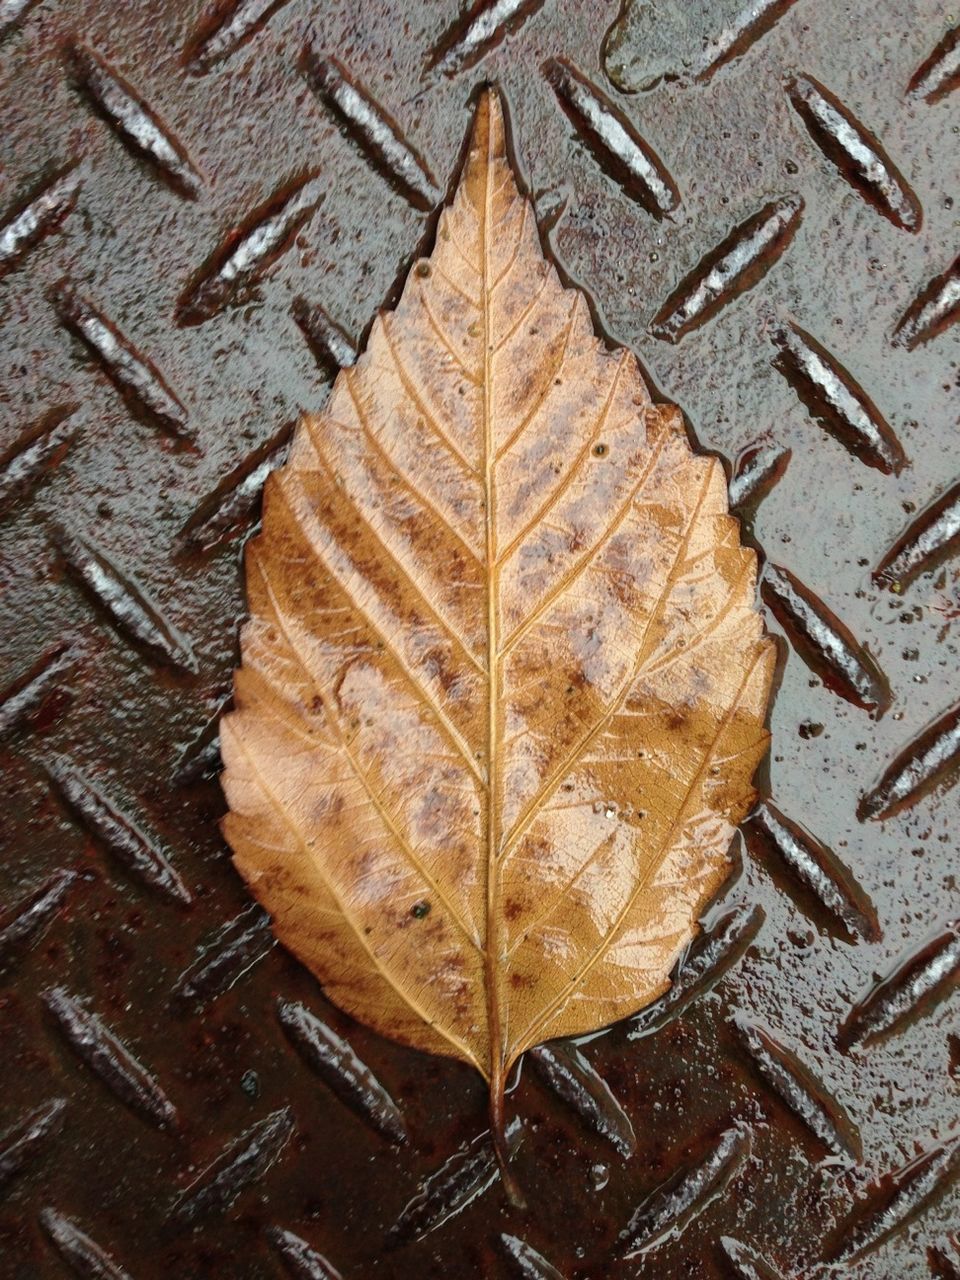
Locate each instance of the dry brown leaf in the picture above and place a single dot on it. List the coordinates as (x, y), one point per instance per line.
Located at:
(503, 681)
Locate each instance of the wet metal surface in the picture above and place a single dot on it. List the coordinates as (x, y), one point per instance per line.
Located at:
(191, 191)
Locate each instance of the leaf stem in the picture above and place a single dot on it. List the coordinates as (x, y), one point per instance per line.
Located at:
(498, 1132)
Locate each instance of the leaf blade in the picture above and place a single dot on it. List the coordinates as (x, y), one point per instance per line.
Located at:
(504, 681)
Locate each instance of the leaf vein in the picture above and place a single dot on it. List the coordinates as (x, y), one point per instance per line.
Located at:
(535, 298)
(400, 568)
(407, 483)
(474, 302)
(411, 390)
(348, 916)
(531, 808)
(533, 1031)
(514, 255)
(452, 733)
(566, 581)
(445, 342)
(548, 384)
(539, 517)
(333, 720)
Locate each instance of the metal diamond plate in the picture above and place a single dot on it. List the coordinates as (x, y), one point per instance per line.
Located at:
(202, 205)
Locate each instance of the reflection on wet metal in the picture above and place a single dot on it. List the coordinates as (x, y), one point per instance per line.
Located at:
(466, 1175)
(133, 612)
(707, 960)
(613, 140)
(230, 510)
(754, 20)
(817, 869)
(78, 1250)
(567, 1070)
(935, 308)
(330, 345)
(805, 1095)
(336, 1062)
(21, 1142)
(858, 155)
(243, 1163)
(933, 757)
(301, 1260)
(838, 402)
(137, 125)
(239, 945)
(36, 455)
(735, 265)
(23, 924)
(110, 1059)
(930, 538)
(527, 1262)
(920, 980)
(244, 255)
(759, 467)
(133, 373)
(40, 216)
(825, 643)
(747, 1264)
(378, 136)
(897, 1199)
(939, 74)
(481, 29)
(224, 28)
(27, 692)
(136, 850)
(669, 1210)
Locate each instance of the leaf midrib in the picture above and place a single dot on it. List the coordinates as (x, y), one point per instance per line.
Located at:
(492, 923)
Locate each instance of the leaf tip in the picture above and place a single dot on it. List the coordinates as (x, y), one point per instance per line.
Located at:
(488, 139)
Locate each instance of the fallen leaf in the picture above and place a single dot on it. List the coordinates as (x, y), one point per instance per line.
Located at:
(504, 681)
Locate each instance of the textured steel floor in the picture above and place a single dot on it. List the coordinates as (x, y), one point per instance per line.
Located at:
(759, 199)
